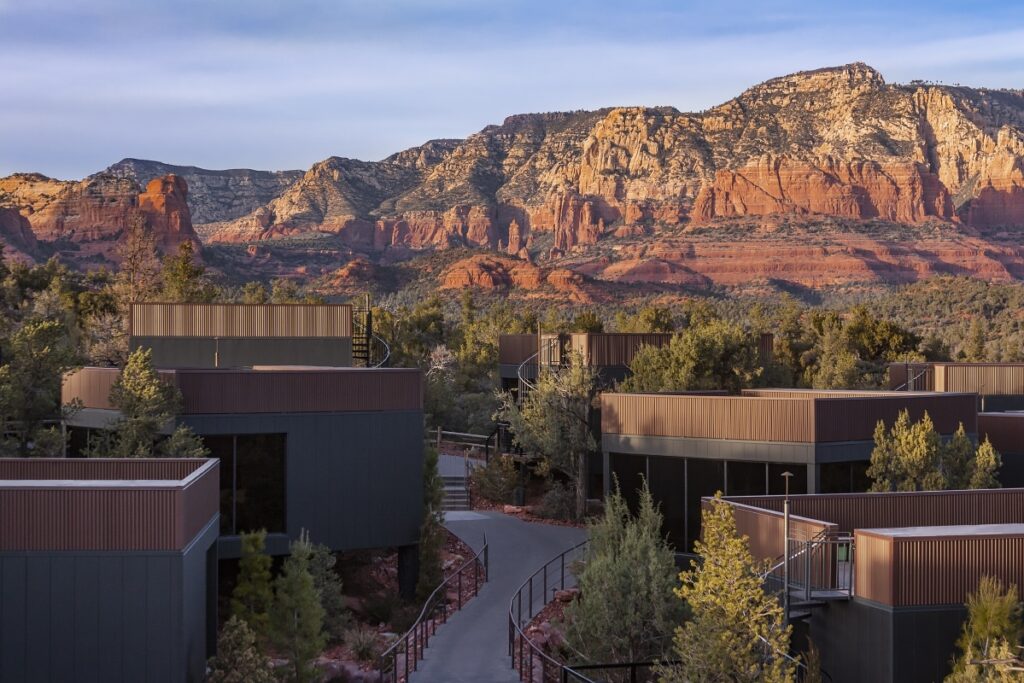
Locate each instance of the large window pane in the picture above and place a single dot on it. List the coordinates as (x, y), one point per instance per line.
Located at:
(704, 478)
(260, 483)
(628, 471)
(668, 488)
(777, 483)
(745, 478)
(222, 447)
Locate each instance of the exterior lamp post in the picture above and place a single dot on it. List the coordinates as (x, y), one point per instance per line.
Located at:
(785, 552)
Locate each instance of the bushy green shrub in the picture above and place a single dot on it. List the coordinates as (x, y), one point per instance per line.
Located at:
(380, 607)
(558, 503)
(496, 480)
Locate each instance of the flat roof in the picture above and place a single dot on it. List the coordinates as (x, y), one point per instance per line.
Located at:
(948, 531)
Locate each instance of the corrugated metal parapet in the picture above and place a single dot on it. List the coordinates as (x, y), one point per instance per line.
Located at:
(513, 349)
(613, 349)
(105, 504)
(240, 320)
(935, 565)
(277, 390)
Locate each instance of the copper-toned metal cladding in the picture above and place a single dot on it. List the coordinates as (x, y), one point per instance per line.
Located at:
(122, 505)
(240, 320)
(211, 391)
(610, 349)
(1004, 430)
(941, 566)
(850, 511)
(990, 379)
(513, 349)
(803, 417)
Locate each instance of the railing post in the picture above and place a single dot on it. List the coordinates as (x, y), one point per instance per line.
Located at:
(529, 603)
(544, 594)
(460, 589)
(476, 578)
(561, 558)
(807, 569)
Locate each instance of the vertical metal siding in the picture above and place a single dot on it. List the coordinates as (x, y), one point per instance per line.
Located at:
(133, 515)
(854, 419)
(267, 391)
(94, 469)
(515, 348)
(610, 349)
(850, 511)
(873, 567)
(1004, 430)
(241, 320)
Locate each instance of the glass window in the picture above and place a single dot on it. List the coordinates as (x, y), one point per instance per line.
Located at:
(745, 478)
(252, 481)
(844, 477)
(797, 483)
(668, 488)
(628, 471)
(703, 478)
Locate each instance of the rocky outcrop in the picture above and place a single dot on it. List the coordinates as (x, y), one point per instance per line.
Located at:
(16, 234)
(213, 196)
(164, 206)
(99, 209)
(501, 273)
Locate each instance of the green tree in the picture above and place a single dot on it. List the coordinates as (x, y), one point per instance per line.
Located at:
(432, 534)
(255, 293)
(553, 421)
(990, 638)
(138, 275)
(913, 457)
(37, 355)
(627, 609)
(296, 616)
(587, 321)
(975, 345)
(185, 279)
(713, 355)
(253, 595)
(329, 587)
(837, 366)
(239, 659)
(648, 319)
(737, 631)
(182, 443)
(146, 404)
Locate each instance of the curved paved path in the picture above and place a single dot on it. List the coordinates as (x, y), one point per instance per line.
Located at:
(473, 646)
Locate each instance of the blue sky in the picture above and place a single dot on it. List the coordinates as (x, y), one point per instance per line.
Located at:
(280, 84)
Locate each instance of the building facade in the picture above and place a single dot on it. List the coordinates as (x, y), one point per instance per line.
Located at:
(688, 446)
(108, 569)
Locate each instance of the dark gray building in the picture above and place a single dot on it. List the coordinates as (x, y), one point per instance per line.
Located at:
(108, 570)
(335, 451)
(688, 445)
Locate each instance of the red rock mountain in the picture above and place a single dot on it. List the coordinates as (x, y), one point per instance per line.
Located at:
(820, 178)
(93, 212)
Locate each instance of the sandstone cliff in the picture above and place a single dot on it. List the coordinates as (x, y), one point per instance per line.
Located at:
(837, 141)
(213, 196)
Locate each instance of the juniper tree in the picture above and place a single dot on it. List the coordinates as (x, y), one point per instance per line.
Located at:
(627, 609)
(329, 588)
(737, 631)
(553, 421)
(253, 595)
(239, 659)
(296, 615)
(432, 532)
(989, 643)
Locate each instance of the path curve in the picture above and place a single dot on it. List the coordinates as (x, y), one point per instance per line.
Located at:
(473, 646)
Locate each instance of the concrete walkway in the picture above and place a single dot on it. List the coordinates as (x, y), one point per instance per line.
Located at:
(473, 646)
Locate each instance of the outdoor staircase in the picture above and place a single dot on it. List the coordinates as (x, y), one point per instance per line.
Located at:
(456, 493)
(369, 350)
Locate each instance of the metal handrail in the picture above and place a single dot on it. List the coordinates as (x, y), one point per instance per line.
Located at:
(425, 626)
(523, 662)
(519, 371)
(387, 350)
(913, 380)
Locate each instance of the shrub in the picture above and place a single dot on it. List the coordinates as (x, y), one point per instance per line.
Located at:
(496, 480)
(558, 503)
(363, 642)
(239, 659)
(380, 607)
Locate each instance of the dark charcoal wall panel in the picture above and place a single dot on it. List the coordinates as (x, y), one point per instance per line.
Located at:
(207, 352)
(13, 609)
(354, 480)
(37, 620)
(109, 622)
(923, 642)
(855, 640)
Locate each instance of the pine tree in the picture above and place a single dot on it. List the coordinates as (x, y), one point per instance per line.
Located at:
(987, 462)
(239, 659)
(183, 443)
(627, 609)
(145, 402)
(737, 632)
(329, 587)
(976, 342)
(185, 279)
(252, 597)
(296, 616)
(990, 635)
(432, 532)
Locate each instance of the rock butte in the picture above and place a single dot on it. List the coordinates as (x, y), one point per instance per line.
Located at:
(635, 194)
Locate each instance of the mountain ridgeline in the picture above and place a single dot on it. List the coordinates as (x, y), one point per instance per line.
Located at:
(819, 178)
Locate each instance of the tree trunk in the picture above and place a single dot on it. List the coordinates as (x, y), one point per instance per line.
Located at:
(581, 485)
